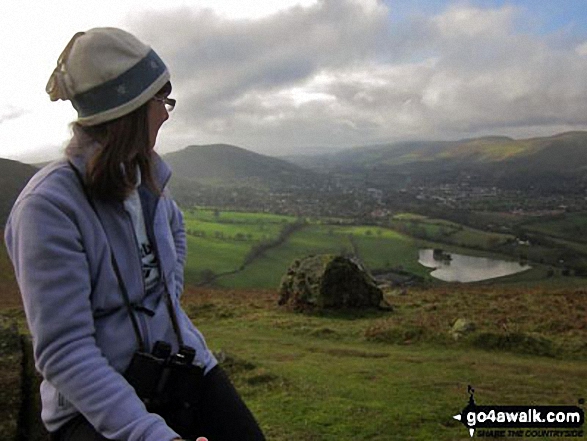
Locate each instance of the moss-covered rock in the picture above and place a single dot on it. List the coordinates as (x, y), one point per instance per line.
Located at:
(461, 328)
(328, 281)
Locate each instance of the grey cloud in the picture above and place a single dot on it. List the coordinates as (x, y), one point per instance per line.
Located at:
(464, 72)
(11, 113)
(221, 59)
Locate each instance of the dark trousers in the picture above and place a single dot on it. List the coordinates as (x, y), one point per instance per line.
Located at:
(221, 416)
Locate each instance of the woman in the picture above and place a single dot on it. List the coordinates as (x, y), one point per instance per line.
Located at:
(98, 248)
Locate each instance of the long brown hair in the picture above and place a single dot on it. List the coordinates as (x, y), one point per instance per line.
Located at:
(111, 174)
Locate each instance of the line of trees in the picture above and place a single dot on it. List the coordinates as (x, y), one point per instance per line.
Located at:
(260, 248)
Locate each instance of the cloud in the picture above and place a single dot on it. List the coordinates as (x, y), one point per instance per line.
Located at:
(10, 113)
(338, 73)
(221, 59)
(493, 78)
(466, 22)
(582, 49)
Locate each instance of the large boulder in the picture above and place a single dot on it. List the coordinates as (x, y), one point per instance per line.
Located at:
(328, 281)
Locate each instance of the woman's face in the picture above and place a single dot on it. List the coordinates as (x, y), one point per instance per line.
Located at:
(156, 114)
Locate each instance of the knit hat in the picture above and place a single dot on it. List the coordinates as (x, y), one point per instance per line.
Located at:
(106, 73)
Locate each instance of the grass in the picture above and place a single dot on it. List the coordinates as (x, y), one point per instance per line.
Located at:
(266, 271)
(218, 242)
(323, 376)
(390, 250)
(220, 216)
(571, 226)
(253, 231)
(217, 255)
(450, 232)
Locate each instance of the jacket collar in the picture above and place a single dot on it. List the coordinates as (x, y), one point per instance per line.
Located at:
(84, 147)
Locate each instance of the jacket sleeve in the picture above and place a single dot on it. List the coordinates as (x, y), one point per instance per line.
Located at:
(46, 248)
(180, 241)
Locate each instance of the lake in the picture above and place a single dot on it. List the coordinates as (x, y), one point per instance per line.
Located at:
(452, 267)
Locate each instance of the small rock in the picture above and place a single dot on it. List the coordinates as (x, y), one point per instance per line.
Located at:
(220, 356)
(461, 328)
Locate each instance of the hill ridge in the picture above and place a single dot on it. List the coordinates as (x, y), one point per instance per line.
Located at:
(13, 177)
(226, 164)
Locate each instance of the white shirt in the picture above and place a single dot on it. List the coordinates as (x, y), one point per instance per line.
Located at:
(133, 206)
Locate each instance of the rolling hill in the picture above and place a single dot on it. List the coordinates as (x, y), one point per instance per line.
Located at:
(552, 163)
(13, 177)
(222, 165)
(206, 174)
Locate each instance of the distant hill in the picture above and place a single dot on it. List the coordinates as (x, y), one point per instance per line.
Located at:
(13, 177)
(550, 162)
(222, 165)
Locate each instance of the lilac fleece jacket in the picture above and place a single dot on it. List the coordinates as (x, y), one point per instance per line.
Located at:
(82, 335)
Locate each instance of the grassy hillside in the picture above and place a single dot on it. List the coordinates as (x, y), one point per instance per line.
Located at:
(493, 161)
(562, 152)
(395, 376)
(9, 294)
(13, 177)
(226, 165)
(381, 376)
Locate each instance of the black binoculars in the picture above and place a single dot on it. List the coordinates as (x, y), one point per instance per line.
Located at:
(165, 381)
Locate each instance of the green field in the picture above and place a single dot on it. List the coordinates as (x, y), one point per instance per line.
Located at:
(219, 241)
(449, 232)
(571, 226)
(378, 248)
(232, 225)
(267, 270)
(219, 244)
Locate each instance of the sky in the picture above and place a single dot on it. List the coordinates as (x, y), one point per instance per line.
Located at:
(282, 77)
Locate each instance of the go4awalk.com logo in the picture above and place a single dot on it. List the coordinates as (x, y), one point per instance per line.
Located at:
(522, 421)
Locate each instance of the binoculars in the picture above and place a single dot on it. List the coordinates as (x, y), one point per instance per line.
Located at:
(166, 382)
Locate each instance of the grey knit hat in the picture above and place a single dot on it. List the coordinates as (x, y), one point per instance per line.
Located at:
(106, 73)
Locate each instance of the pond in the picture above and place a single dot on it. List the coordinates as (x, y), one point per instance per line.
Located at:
(452, 267)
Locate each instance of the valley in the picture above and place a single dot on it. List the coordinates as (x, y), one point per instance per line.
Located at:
(373, 374)
(252, 250)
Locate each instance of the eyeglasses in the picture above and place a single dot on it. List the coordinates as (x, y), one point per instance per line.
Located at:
(169, 102)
